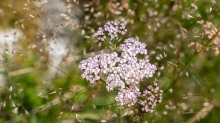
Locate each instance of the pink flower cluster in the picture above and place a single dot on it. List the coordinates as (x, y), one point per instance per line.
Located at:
(153, 95)
(124, 73)
(112, 29)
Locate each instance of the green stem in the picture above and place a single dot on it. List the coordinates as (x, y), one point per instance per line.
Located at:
(115, 45)
(109, 45)
(121, 118)
(111, 48)
(102, 81)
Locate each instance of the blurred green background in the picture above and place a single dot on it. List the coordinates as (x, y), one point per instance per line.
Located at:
(42, 43)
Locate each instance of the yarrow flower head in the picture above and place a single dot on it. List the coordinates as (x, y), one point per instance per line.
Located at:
(153, 96)
(124, 72)
(112, 29)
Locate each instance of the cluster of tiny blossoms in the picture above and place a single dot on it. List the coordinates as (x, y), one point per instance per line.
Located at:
(124, 73)
(153, 95)
(112, 29)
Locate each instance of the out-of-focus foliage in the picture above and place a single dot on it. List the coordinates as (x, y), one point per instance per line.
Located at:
(182, 40)
(13, 15)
